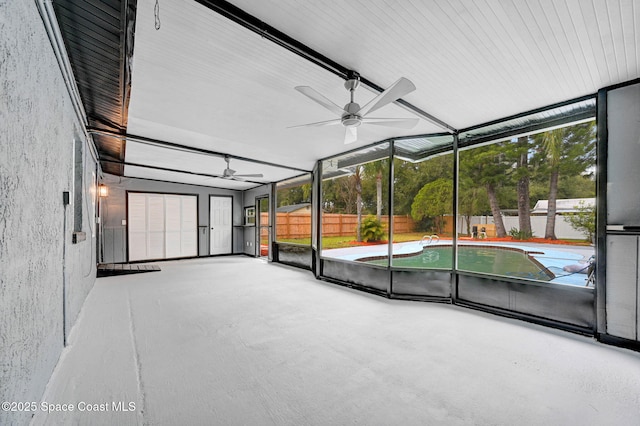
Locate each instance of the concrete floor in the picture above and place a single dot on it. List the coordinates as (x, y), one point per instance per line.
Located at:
(234, 340)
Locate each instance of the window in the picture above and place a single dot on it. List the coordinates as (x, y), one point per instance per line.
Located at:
(250, 216)
(293, 211)
(355, 205)
(423, 203)
(527, 205)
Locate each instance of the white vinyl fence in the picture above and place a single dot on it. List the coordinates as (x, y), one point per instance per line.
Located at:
(538, 225)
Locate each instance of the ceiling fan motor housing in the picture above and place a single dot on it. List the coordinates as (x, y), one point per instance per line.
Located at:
(350, 118)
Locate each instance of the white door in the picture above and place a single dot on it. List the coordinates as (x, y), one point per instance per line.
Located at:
(137, 227)
(220, 224)
(162, 226)
(155, 227)
(181, 226)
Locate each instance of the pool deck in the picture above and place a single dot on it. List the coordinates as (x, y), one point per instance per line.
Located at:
(551, 256)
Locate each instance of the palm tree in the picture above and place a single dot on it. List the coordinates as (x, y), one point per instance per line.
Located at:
(357, 178)
(552, 146)
(377, 169)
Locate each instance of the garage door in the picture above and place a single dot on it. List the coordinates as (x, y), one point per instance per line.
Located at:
(162, 226)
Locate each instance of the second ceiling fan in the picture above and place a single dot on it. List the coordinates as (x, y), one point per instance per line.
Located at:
(229, 173)
(353, 115)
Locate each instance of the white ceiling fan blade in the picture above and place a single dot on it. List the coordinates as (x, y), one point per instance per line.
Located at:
(402, 123)
(321, 99)
(319, 124)
(393, 92)
(230, 174)
(255, 175)
(350, 135)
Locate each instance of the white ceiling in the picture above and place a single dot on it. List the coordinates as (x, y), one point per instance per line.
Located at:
(202, 80)
(205, 167)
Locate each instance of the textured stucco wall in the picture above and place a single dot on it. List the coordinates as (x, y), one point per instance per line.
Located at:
(37, 129)
(114, 211)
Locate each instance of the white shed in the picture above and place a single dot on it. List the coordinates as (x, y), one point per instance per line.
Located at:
(563, 206)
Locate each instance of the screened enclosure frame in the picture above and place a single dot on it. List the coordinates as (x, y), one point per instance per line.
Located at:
(290, 253)
(455, 285)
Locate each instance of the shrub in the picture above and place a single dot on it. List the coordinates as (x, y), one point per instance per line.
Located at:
(371, 229)
(517, 234)
(584, 220)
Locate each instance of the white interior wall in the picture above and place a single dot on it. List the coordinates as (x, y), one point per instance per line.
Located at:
(37, 256)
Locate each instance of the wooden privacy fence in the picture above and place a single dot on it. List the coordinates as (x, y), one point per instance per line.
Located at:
(292, 225)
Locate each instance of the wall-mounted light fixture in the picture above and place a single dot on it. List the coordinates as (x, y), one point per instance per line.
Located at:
(103, 190)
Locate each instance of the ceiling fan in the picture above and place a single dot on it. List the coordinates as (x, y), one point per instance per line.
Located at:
(230, 174)
(352, 115)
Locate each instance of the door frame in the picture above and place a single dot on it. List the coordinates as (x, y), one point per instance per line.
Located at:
(126, 226)
(259, 225)
(209, 227)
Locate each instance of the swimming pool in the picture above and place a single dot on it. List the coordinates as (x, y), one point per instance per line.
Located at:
(496, 260)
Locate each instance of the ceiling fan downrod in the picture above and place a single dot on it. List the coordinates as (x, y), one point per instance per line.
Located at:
(350, 118)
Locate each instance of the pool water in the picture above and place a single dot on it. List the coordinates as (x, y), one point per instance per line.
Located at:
(484, 259)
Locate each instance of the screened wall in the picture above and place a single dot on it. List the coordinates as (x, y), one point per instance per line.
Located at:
(500, 217)
(293, 221)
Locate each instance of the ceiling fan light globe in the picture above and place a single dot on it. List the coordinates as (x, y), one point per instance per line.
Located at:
(351, 121)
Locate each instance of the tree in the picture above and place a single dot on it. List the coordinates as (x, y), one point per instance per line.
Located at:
(339, 194)
(470, 199)
(294, 195)
(487, 167)
(343, 195)
(522, 174)
(574, 186)
(379, 192)
(377, 169)
(565, 152)
(433, 200)
(410, 177)
(552, 144)
(495, 210)
(357, 179)
(584, 220)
